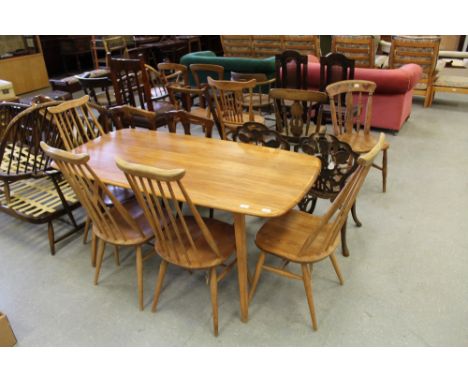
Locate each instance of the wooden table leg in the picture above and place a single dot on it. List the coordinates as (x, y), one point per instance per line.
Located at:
(241, 249)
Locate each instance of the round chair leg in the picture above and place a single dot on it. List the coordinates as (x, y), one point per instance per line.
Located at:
(344, 244)
(355, 218)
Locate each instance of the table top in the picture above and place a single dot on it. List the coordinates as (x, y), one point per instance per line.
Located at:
(229, 176)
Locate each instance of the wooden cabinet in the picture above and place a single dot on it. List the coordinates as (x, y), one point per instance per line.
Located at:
(27, 71)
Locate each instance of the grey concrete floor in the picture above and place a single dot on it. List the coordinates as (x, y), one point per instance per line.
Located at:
(405, 282)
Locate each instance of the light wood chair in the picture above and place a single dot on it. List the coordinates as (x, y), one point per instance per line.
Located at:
(174, 74)
(421, 50)
(115, 46)
(352, 120)
(299, 237)
(361, 49)
(158, 84)
(230, 98)
(295, 109)
(122, 224)
(190, 242)
(304, 44)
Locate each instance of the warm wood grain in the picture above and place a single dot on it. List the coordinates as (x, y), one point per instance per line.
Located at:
(234, 177)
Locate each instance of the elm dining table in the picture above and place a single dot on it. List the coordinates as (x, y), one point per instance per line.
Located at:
(235, 177)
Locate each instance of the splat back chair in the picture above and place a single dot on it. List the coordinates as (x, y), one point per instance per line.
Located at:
(187, 120)
(352, 120)
(190, 242)
(295, 112)
(339, 162)
(299, 237)
(260, 135)
(291, 70)
(31, 190)
(229, 99)
(132, 86)
(119, 224)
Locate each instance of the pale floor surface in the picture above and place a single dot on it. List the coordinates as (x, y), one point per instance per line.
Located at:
(405, 281)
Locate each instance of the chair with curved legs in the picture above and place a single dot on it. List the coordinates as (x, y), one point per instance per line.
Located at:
(119, 224)
(305, 239)
(190, 242)
(260, 135)
(339, 162)
(351, 112)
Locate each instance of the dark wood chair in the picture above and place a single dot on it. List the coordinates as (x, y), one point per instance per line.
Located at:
(187, 120)
(291, 70)
(260, 135)
(339, 161)
(116, 223)
(99, 90)
(129, 117)
(26, 176)
(296, 112)
(189, 242)
(132, 86)
(305, 239)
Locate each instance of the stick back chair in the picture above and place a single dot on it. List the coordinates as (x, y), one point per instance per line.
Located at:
(261, 93)
(352, 120)
(339, 162)
(360, 49)
(305, 239)
(201, 72)
(190, 242)
(174, 74)
(260, 135)
(121, 224)
(229, 99)
(31, 190)
(295, 109)
(423, 51)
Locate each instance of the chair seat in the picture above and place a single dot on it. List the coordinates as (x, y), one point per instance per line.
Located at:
(203, 256)
(200, 112)
(259, 100)
(161, 107)
(130, 236)
(102, 99)
(245, 118)
(452, 81)
(361, 143)
(284, 236)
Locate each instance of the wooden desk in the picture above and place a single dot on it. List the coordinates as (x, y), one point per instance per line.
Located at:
(235, 177)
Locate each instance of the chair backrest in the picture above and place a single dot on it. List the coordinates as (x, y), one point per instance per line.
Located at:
(126, 116)
(91, 192)
(423, 51)
(260, 135)
(201, 72)
(158, 193)
(174, 74)
(115, 44)
(336, 215)
(97, 86)
(131, 83)
(237, 45)
(338, 161)
(8, 110)
(20, 153)
(304, 44)
(361, 49)
(76, 122)
(335, 67)
(291, 70)
(181, 96)
(158, 83)
(230, 99)
(266, 45)
(187, 120)
(294, 109)
(354, 116)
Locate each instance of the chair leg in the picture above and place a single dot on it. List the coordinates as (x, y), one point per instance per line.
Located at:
(139, 267)
(354, 214)
(211, 213)
(344, 243)
(116, 255)
(337, 268)
(214, 298)
(384, 170)
(159, 284)
(86, 230)
(100, 255)
(51, 234)
(258, 271)
(94, 244)
(306, 277)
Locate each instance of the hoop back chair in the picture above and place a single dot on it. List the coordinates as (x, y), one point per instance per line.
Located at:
(360, 49)
(261, 93)
(120, 224)
(352, 120)
(260, 135)
(174, 74)
(423, 51)
(291, 70)
(190, 242)
(229, 99)
(31, 190)
(339, 162)
(305, 239)
(295, 109)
